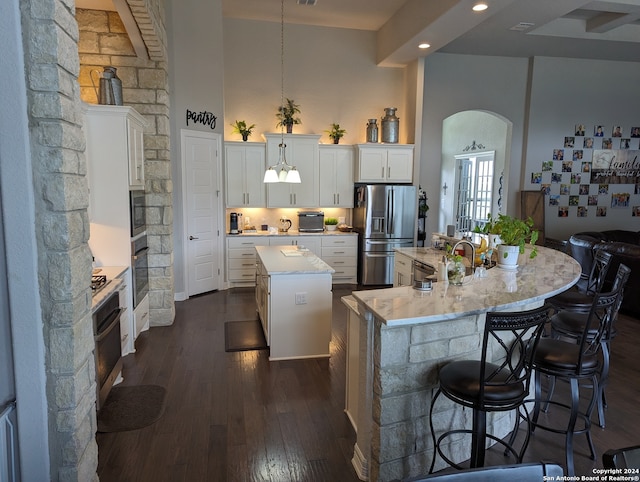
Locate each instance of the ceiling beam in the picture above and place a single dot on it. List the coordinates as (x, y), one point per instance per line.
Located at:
(607, 21)
(131, 26)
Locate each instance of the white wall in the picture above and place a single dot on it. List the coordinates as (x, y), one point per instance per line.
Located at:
(196, 84)
(329, 72)
(457, 83)
(566, 92)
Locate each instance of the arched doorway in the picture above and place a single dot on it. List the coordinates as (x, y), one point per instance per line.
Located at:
(469, 133)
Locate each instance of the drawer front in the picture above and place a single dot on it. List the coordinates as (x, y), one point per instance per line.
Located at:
(251, 242)
(346, 272)
(337, 240)
(242, 263)
(337, 262)
(243, 275)
(242, 253)
(346, 251)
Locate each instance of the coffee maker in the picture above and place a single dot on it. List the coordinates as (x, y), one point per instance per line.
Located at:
(233, 223)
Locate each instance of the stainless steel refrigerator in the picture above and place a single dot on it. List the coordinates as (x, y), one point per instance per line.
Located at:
(384, 215)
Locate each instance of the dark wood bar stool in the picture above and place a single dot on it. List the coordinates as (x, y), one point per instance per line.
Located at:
(570, 325)
(486, 386)
(580, 300)
(575, 363)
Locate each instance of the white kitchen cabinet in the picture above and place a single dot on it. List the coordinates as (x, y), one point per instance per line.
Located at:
(402, 270)
(141, 316)
(135, 142)
(312, 243)
(241, 259)
(107, 134)
(384, 163)
(296, 313)
(336, 176)
(302, 151)
(341, 253)
(244, 174)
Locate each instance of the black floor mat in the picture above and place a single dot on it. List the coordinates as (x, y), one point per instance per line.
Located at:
(244, 335)
(131, 408)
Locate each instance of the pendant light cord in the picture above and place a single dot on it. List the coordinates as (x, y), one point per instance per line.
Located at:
(282, 68)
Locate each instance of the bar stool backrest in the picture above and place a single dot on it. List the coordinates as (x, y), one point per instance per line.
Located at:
(599, 268)
(516, 335)
(603, 311)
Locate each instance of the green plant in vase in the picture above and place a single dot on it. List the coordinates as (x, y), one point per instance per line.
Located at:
(455, 268)
(331, 223)
(241, 127)
(286, 115)
(336, 133)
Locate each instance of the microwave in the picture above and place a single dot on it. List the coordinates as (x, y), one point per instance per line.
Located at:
(138, 212)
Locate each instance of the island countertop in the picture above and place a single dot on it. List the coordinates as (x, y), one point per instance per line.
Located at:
(550, 273)
(279, 260)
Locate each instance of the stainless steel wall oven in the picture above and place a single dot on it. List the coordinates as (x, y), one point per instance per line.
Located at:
(108, 354)
(138, 212)
(139, 268)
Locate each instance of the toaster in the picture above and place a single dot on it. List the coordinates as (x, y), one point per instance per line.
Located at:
(310, 221)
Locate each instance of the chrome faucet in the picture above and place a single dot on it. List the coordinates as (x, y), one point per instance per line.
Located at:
(473, 252)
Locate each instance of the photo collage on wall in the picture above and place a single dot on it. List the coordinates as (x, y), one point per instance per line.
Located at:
(597, 169)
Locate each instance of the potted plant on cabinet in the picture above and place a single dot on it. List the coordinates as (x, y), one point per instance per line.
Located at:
(336, 133)
(514, 234)
(286, 115)
(241, 127)
(331, 223)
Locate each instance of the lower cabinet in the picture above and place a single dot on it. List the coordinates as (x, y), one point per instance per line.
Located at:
(312, 243)
(295, 329)
(126, 317)
(241, 259)
(341, 253)
(141, 316)
(402, 270)
(337, 250)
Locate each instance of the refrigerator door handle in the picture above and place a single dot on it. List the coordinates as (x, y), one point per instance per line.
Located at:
(389, 213)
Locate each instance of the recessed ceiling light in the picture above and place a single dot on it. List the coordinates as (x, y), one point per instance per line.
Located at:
(424, 45)
(480, 7)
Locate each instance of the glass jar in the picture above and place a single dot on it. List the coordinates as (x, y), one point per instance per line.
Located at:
(455, 272)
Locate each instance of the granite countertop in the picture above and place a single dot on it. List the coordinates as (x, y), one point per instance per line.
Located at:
(550, 273)
(292, 232)
(282, 260)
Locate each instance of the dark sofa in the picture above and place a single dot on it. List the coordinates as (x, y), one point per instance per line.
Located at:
(625, 248)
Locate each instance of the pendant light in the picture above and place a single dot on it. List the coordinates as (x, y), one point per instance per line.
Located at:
(282, 171)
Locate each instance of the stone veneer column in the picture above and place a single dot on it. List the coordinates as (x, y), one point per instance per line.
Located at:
(62, 230)
(104, 41)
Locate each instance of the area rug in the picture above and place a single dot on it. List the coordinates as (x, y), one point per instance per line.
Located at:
(131, 408)
(244, 335)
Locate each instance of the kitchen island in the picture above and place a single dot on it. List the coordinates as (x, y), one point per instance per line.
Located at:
(293, 294)
(402, 339)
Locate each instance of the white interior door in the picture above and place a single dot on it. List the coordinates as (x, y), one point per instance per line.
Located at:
(202, 176)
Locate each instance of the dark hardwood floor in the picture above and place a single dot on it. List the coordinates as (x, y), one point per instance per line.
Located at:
(239, 417)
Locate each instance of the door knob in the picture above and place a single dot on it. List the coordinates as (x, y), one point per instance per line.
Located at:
(191, 238)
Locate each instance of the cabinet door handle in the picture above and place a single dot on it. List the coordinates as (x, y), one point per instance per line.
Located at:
(338, 195)
(191, 238)
(388, 171)
(382, 174)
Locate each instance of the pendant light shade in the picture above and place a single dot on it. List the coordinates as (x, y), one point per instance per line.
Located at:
(282, 171)
(270, 175)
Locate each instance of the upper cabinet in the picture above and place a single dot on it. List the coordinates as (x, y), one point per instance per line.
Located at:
(120, 131)
(384, 163)
(135, 140)
(336, 176)
(244, 174)
(302, 151)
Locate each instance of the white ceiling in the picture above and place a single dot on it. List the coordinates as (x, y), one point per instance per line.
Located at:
(601, 29)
